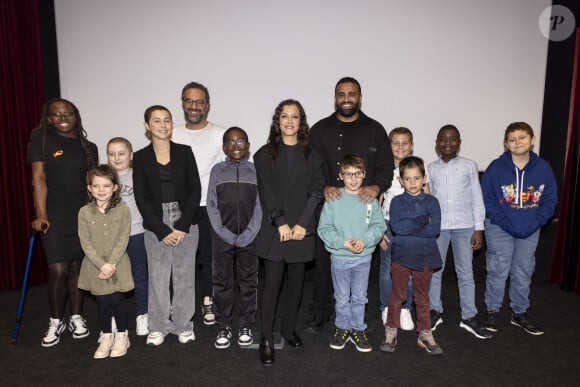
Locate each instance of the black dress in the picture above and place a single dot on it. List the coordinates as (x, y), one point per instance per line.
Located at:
(65, 169)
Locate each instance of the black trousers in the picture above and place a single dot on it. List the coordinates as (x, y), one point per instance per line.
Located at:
(322, 298)
(204, 254)
(246, 264)
(291, 302)
(112, 305)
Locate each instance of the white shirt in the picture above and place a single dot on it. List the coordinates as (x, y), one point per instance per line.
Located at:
(206, 145)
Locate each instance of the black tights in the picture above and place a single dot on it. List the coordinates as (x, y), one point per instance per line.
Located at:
(110, 305)
(63, 279)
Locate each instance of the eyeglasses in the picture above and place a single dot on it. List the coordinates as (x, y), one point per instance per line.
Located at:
(197, 102)
(239, 142)
(61, 115)
(357, 174)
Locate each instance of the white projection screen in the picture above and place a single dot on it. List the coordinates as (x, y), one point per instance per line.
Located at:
(422, 64)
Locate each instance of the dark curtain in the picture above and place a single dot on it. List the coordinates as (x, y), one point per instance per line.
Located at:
(564, 267)
(22, 95)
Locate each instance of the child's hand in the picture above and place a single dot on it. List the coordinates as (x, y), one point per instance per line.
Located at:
(107, 270)
(358, 246)
(477, 240)
(385, 243)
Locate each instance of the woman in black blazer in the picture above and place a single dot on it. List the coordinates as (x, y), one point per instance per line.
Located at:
(290, 185)
(167, 192)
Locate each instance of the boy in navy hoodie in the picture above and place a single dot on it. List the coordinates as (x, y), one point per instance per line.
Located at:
(235, 215)
(520, 195)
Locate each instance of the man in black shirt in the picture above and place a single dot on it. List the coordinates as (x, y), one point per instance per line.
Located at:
(346, 131)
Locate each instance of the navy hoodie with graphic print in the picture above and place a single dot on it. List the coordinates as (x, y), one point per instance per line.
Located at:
(519, 201)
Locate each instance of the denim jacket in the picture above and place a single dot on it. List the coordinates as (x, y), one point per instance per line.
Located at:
(416, 224)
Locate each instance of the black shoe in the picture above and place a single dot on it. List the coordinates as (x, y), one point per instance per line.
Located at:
(490, 322)
(359, 338)
(293, 340)
(266, 352)
(314, 325)
(436, 319)
(473, 326)
(521, 320)
(339, 339)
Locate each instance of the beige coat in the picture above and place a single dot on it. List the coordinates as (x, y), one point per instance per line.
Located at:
(104, 239)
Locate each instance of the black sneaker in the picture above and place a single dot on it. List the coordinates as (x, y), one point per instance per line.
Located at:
(521, 320)
(359, 338)
(436, 319)
(473, 326)
(224, 336)
(339, 339)
(490, 322)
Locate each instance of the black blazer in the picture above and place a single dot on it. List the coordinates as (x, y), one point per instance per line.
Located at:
(147, 188)
(297, 192)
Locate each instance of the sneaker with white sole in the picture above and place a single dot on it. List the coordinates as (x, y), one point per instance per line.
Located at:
(105, 344)
(142, 326)
(186, 337)
(155, 338)
(223, 338)
(473, 326)
(120, 344)
(207, 311)
(52, 335)
(245, 337)
(427, 342)
(390, 341)
(407, 320)
(340, 338)
(359, 338)
(78, 326)
(436, 319)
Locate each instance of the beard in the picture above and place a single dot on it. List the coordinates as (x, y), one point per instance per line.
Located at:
(194, 119)
(348, 112)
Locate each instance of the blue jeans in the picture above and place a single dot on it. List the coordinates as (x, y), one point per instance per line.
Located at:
(463, 256)
(350, 293)
(508, 256)
(385, 278)
(138, 257)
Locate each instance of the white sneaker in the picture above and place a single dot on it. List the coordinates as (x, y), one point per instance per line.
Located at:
(121, 344)
(142, 325)
(407, 320)
(207, 311)
(52, 335)
(155, 338)
(78, 326)
(186, 337)
(384, 315)
(105, 345)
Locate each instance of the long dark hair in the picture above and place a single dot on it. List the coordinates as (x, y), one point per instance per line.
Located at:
(275, 137)
(78, 129)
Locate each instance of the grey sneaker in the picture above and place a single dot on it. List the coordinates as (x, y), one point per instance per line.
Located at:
(427, 342)
(521, 320)
(339, 339)
(390, 341)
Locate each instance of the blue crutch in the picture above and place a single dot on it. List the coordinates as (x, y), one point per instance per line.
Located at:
(23, 292)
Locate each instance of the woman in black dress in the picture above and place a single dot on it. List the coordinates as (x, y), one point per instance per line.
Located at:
(290, 184)
(60, 156)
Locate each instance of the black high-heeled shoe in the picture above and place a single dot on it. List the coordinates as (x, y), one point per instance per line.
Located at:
(294, 340)
(266, 352)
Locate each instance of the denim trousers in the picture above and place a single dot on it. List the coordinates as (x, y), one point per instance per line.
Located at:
(508, 256)
(462, 256)
(173, 265)
(350, 294)
(138, 256)
(385, 278)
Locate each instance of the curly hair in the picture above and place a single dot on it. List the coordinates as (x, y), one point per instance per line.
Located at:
(78, 129)
(275, 136)
(107, 172)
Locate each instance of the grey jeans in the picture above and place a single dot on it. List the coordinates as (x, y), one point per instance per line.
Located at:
(175, 264)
